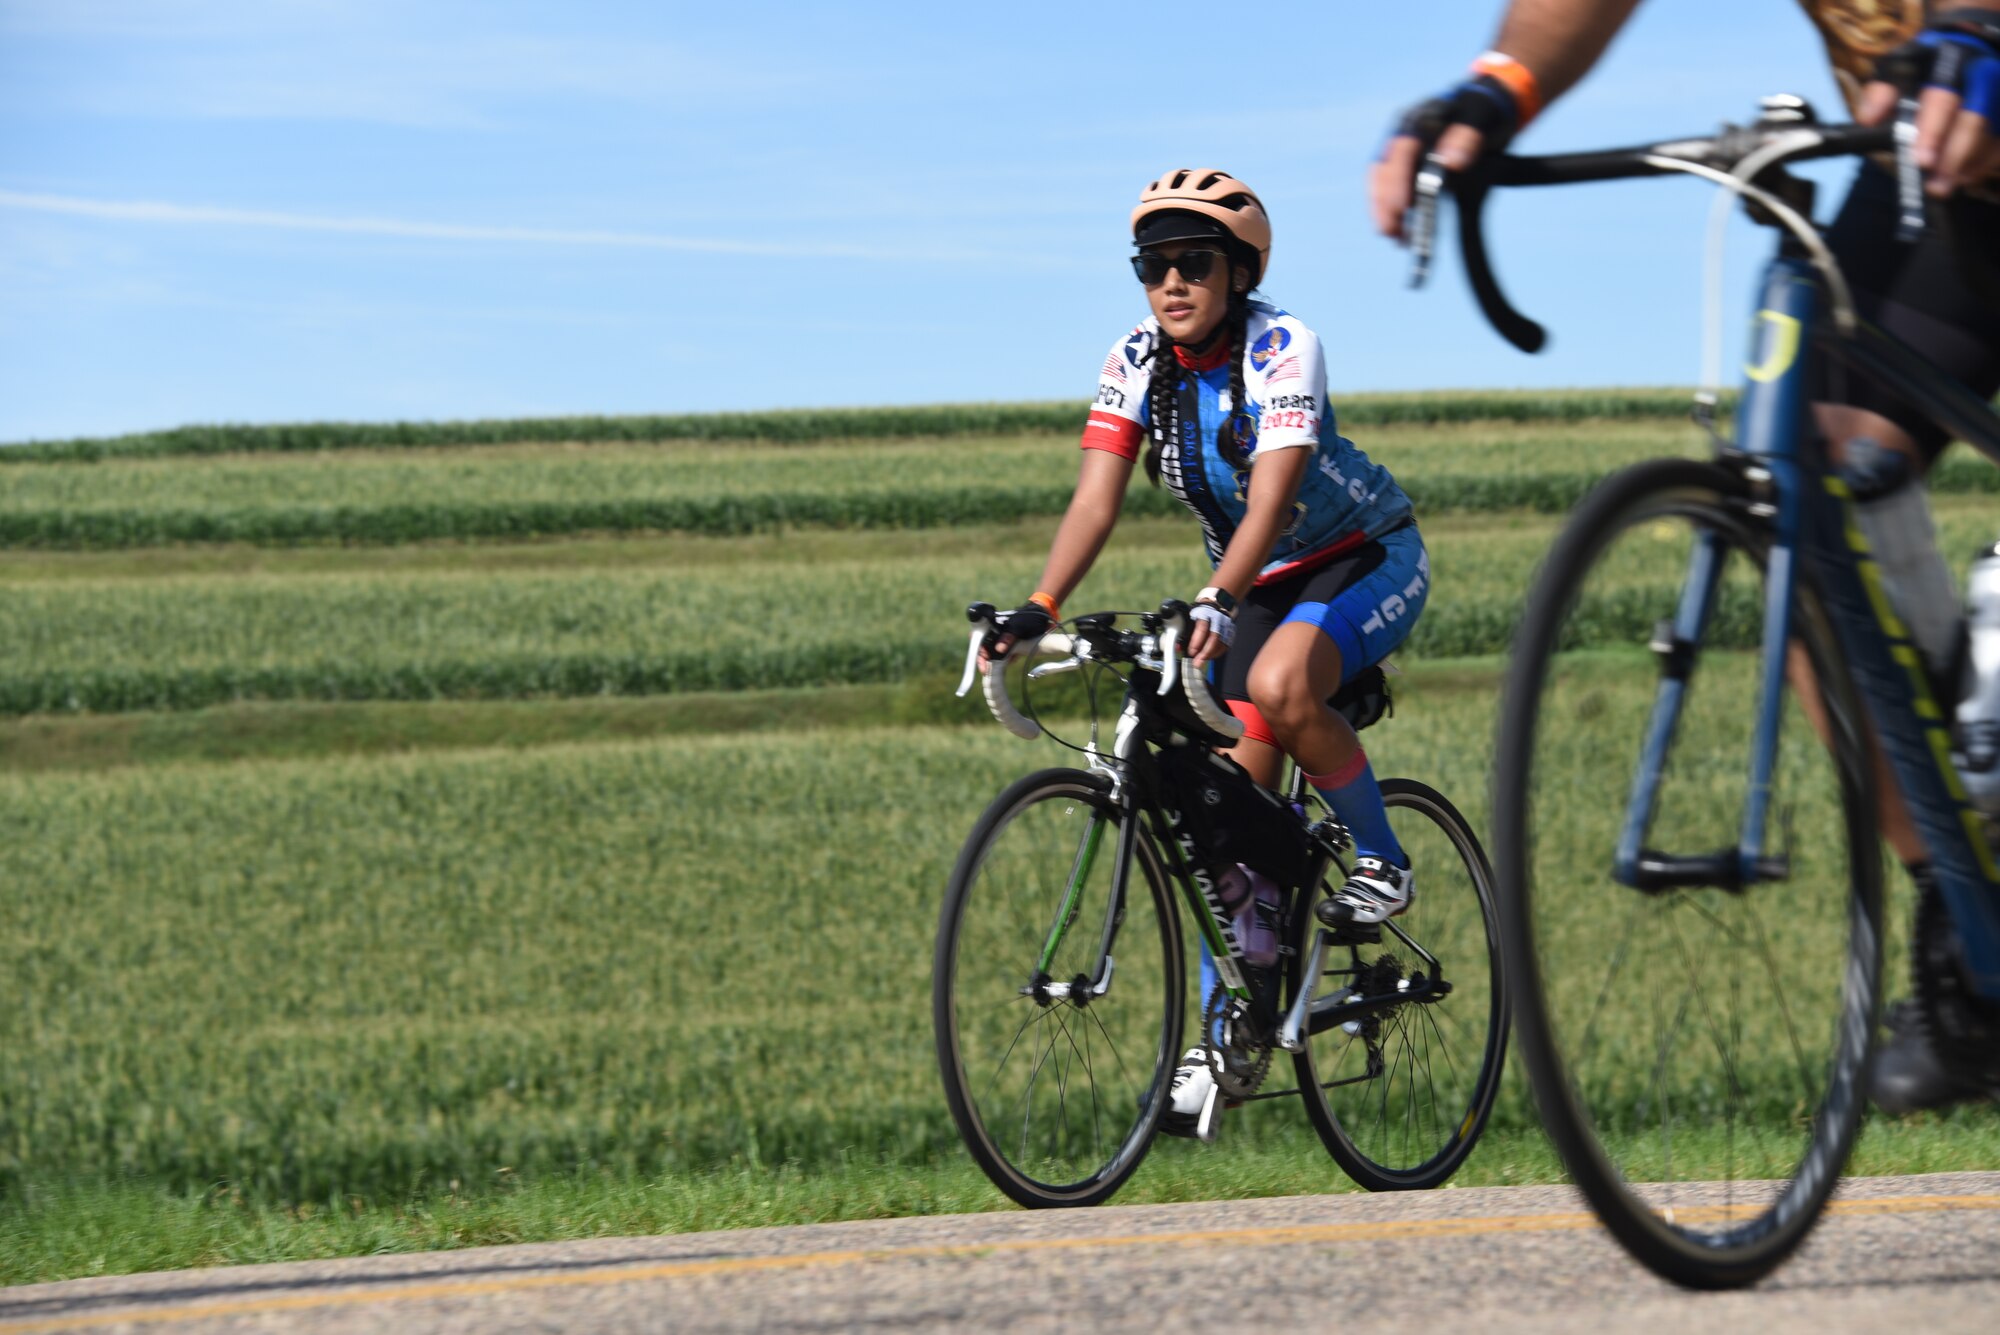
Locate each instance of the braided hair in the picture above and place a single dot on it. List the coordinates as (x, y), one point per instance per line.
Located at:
(1236, 436)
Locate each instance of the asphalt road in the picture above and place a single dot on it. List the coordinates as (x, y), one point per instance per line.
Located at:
(1913, 1253)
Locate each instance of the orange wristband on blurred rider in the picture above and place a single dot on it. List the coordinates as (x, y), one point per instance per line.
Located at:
(1517, 79)
(1047, 603)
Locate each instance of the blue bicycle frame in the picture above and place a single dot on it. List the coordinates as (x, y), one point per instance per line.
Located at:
(1811, 516)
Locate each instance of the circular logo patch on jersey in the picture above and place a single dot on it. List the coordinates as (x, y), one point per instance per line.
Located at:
(1138, 347)
(1275, 341)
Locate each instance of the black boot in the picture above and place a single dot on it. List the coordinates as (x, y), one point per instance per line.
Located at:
(1921, 1067)
(1909, 1076)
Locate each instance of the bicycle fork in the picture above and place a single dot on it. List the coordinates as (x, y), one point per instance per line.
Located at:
(1676, 642)
(1086, 986)
(1771, 415)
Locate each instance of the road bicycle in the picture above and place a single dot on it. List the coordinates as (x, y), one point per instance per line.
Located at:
(1684, 819)
(1058, 986)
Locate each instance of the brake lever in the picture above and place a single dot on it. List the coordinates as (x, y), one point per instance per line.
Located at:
(981, 615)
(1909, 178)
(1420, 220)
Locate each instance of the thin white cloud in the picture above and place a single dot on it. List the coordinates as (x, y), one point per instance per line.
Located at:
(156, 212)
(438, 67)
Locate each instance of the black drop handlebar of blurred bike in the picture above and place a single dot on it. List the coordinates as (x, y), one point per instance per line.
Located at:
(1720, 151)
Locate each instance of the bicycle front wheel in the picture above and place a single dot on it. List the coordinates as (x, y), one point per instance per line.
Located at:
(1057, 991)
(1697, 1047)
(1400, 1094)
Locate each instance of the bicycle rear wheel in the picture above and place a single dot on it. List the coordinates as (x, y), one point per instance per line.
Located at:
(1056, 1068)
(1400, 1095)
(1697, 1053)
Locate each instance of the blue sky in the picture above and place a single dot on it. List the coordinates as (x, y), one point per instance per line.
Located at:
(219, 210)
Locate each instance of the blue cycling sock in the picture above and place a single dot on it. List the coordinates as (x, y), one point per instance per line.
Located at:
(1356, 798)
(1211, 983)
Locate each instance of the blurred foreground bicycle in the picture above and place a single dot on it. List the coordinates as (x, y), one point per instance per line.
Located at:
(1058, 988)
(1697, 984)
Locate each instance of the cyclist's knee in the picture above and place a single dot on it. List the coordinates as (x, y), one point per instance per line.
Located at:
(1885, 477)
(1283, 692)
(1277, 695)
(1858, 439)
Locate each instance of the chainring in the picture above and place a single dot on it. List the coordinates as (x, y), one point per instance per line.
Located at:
(1963, 1027)
(1239, 1069)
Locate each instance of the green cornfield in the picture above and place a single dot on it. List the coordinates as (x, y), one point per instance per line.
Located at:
(814, 425)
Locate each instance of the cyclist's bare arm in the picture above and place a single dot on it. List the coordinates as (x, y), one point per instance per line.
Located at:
(1274, 486)
(1557, 39)
(1086, 524)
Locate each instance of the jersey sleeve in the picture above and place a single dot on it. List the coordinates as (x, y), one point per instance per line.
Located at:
(1291, 387)
(1117, 417)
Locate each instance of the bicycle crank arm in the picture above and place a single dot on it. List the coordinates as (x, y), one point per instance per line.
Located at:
(1655, 872)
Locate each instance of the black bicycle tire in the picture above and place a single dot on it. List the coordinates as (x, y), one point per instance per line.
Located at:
(1435, 1171)
(1673, 1253)
(1044, 785)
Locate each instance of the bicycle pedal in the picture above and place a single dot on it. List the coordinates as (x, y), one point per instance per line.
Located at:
(1356, 934)
(1344, 930)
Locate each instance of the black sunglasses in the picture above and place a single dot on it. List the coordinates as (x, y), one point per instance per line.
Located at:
(1195, 265)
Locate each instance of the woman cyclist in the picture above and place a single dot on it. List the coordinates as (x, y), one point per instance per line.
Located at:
(1319, 570)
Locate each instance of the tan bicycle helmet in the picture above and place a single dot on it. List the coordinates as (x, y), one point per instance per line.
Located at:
(1204, 193)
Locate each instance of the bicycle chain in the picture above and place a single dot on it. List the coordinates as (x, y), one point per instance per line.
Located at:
(1233, 1084)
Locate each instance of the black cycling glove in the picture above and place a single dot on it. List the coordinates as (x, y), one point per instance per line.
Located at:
(1959, 50)
(1482, 104)
(1029, 621)
(1498, 99)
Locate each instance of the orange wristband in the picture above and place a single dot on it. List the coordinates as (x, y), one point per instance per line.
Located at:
(1047, 604)
(1517, 79)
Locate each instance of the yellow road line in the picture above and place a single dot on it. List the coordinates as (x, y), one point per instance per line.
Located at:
(742, 1265)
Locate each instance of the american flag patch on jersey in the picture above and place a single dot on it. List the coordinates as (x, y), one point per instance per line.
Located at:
(1114, 368)
(1287, 369)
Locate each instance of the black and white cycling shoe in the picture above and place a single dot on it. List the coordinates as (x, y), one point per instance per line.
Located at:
(1196, 1098)
(1378, 889)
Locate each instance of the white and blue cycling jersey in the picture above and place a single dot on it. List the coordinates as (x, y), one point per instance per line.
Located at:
(1344, 499)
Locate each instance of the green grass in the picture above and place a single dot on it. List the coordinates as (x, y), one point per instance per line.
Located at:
(370, 976)
(261, 731)
(72, 1231)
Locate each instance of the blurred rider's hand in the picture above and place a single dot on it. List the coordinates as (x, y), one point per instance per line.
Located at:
(1485, 111)
(1953, 70)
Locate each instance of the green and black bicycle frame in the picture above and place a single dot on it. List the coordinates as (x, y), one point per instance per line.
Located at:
(1808, 514)
(1148, 719)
